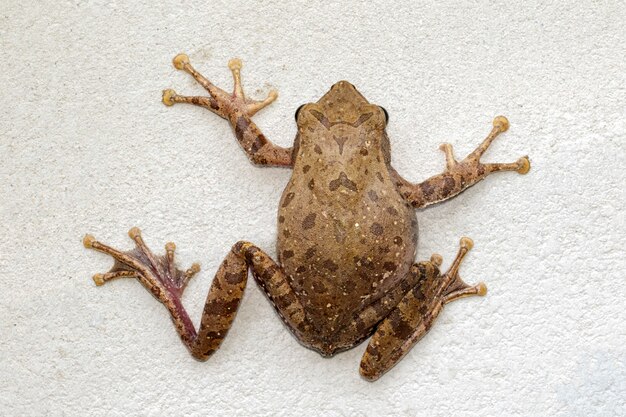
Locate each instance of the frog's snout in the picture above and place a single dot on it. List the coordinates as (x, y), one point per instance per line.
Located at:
(342, 85)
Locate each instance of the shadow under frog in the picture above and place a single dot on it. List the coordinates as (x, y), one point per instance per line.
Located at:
(347, 233)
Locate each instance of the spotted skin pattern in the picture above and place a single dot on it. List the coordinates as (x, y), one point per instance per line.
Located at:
(347, 233)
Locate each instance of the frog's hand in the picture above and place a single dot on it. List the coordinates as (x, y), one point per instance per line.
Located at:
(237, 109)
(459, 175)
(167, 283)
(414, 315)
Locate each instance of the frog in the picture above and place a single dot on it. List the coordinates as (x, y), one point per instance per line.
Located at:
(347, 235)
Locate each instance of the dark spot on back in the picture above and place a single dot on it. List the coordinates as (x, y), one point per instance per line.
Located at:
(363, 261)
(310, 252)
(377, 229)
(340, 231)
(330, 265)
(389, 266)
(344, 181)
(281, 219)
(363, 152)
(373, 196)
(348, 286)
(380, 176)
(397, 240)
(341, 140)
(288, 199)
(322, 119)
(392, 211)
(311, 184)
(319, 287)
(300, 269)
(317, 149)
(287, 254)
(306, 168)
(309, 221)
(286, 233)
(362, 119)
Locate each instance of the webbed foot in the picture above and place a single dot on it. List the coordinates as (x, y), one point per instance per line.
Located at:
(453, 286)
(157, 273)
(219, 101)
(471, 166)
(167, 283)
(237, 109)
(459, 175)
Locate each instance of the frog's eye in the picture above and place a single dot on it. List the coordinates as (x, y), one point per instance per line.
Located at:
(298, 111)
(386, 114)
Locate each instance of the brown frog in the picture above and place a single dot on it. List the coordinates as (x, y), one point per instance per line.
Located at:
(347, 233)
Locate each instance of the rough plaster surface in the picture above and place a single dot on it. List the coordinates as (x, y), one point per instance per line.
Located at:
(86, 146)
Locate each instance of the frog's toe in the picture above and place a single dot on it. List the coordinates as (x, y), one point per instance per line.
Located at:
(524, 165)
(457, 288)
(180, 61)
(158, 273)
(168, 97)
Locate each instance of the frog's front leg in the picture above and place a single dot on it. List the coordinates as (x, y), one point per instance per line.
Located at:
(237, 109)
(459, 175)
(166, 282)
(414, 315)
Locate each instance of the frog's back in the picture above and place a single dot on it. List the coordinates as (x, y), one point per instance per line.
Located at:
(345, 235)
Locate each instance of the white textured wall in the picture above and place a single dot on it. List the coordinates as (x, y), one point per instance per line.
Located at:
(86, 146)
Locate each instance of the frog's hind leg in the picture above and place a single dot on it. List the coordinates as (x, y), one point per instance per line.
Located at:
(365, 320)
(166, 282)
(414, 315)
(235, 108)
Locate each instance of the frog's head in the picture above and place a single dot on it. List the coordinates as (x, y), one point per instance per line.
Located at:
(343, 104)
(342, 117)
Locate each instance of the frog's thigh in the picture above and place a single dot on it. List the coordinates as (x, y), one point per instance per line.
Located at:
(365, 320)
(273, 281)
(216, 317)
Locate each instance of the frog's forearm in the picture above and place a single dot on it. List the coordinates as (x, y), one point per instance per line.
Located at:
(237, 109)
(259, 149)
(459, 175)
